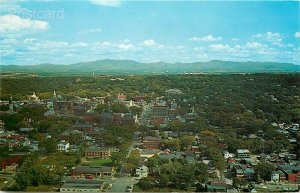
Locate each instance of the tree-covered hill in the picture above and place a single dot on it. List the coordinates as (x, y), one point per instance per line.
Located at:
(133, 67)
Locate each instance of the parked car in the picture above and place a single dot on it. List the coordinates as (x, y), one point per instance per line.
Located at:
(128, 189)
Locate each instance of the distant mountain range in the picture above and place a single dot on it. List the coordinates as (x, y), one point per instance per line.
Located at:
(132, 67)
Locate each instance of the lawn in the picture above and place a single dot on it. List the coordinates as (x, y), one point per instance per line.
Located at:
(98, 162)
(58, 159)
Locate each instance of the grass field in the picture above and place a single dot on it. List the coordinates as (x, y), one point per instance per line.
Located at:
(98, 162)
(58, 159)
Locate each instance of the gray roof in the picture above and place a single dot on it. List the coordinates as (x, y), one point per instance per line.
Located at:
(83, 184)
(92, 169)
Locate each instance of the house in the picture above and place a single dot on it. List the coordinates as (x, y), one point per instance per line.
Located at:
(227, 155)
(152, 143)
(82, 185)
(238, 170)
(275, 176)
(282, 176)
(249, 174)
(243, 153)
(97, 153)
(11, 168)
(121, 97)
(195, 149)
(142, 172)
(95, 171)
(292, 172)
(217, 185)
(63, 146)
(34, 146)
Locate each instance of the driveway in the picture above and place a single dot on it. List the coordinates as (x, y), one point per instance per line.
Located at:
(8, 183)
(120, 184)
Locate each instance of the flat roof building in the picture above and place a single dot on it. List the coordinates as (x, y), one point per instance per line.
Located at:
(82, 185)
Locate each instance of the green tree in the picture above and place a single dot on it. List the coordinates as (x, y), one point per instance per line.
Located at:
(146, 183)
(117, 157)
(186, 142)
(136, 110)
(48, 146)
(264, 170)
(22, 181)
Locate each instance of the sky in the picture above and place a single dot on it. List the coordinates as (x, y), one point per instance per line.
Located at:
(72, 31)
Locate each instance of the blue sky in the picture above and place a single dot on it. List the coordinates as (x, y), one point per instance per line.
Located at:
(64, 32)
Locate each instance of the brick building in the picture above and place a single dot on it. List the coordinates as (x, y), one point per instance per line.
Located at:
(97, 153)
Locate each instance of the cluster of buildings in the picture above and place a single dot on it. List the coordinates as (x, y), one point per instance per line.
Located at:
(156, 114)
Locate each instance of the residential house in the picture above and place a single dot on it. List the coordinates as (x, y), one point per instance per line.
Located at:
(292, 172)
(11, 168)
(195, 149)
(142, 172)
(217, 185)
(63, 146)
(227, 155)
(275, 176)
(243, 153)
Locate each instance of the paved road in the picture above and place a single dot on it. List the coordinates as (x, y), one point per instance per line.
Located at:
(120, 184)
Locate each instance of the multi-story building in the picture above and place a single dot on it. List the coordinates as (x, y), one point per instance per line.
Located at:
(97, 153)
(160, 110)
(151, 143)
(123, 119)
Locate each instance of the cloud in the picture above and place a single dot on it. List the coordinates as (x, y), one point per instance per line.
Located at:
(87, 31)
(254, 45)
(125, 46)
(271, 37)
(208, 38)
(219, 47)
(15, 26)
(111, 3)
(297, 35)
(149, 43)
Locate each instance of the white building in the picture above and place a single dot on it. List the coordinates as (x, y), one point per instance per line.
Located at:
(142, 172)
(275, 176)
(63, 146)
(227, 155)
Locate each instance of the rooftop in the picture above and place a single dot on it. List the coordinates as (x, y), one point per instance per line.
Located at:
(83, 184)
(243, 151)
